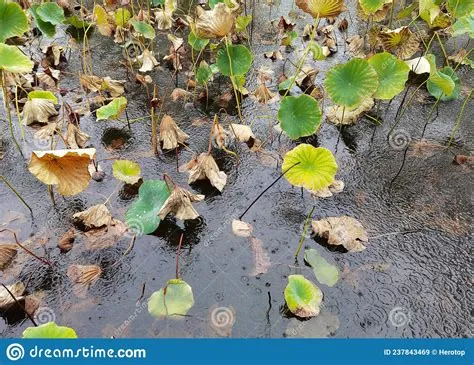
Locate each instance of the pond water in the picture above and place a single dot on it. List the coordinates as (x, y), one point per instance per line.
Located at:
(417, 263)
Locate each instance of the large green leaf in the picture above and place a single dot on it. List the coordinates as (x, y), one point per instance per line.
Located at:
(176, 298)
(349, 84)
(325, 272)
(313, 168)
(113, 109)
(392, 74)
(51, 13)
(46, 28)
(13, 60)
(442, 81)
(371, 6)
(234, 60)
(49, 330)
(144, 29)
(299, 116)
(12, 19)
(460, 8)
(438, 93)
(197, 43)
(464, 25)
(302, 297)
(126, 171)
(142, 216)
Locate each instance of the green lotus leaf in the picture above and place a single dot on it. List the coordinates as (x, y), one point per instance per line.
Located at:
(178, 299)
(77, 22)
(122, 16)
(113, 109)
(392, 74)
(464, 25)
(12, 19)
(442, 81)
(349, 84)
(143, 28)
(428, 10)
(127, 171)
(302, 297)
(299, 116)
(317, 51)
(371, 6)
(51, 13)
(234, 60)
(14, 60)
(325, 272)
(49, 330)
(213, 3)
(242, 22)
(42, 94)
(438, 93)
(46, 28)
(460, 8)
(203, 73)
(198, 44)
(313, 168)
(142, 216)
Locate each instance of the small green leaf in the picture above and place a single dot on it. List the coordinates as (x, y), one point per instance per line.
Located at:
(112, 110)
(372, 6)
(233, 60)
(49, 330)
(76, 22)
(143, 28)
(155, 3)
(127, 171)
(313, 168)
(438, 93)
(12, 19)
(213, 3)
(302, 297)
(42, 94)
(176, 298)
(51, 13)
(46, 28)
(392, 74)
(442, 81)
(299, 116)
(464, 25)
(203, 73)
(325, 272)
(122, 16)
(317, 51)
(142, 215)
(13, 60)
(288, 38)
(242, 22)
(197, 43)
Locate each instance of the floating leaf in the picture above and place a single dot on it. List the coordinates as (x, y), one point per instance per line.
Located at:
(176, 298)
(392, 74)
(215, 23)
(144, 29)
(127, 171)
(241, 229)
(83, 277)
(321, 8)
(313, 168)
(13, 60)
(180, 204)
(68, 169)
(142, 216)
(344, 230)
(299, 116)
(302, 297)
(349, 84)
(112, 110)
(234, 60)
(49, 330)
(197, 43)
(122, 16)
(438, 93)
(13, 20)
(94, 217)
(325, 272)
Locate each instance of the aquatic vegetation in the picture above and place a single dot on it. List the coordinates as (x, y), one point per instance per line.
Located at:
(49, 330)
(302, 297)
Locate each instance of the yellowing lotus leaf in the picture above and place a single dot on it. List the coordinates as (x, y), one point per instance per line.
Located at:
(321, 8)
(215, 23)
(339, 115)
(65, 168)
(402, 42)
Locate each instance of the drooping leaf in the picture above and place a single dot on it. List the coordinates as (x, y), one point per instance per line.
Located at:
(127, 171)
(325, 272)
(170, 134)
(144, 29)
(102, 21)
(112, 110)
(38, 110)
(174, 300)
(349, 84)
(313, 168)
(12, 19)
(299, 116)
(438, 93)
(45, 27)
(442, 81)
(180, 204)
(197, 43)
(343, 230)
(42, 94)
(321, 8)
(49, 330)
(142, 216)
(234, 60)
(460, 8)
(94, 217)
(13, 60)
(205, 167)
(392, 74)
(419, 65)
(122, 16)
(83, 277)
(428, 10)
(51, 13)
(214, 23)
(302, 297)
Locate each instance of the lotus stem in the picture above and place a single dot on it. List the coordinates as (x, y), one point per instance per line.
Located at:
(154, 134)
(44, 261)
(303, 234)
(19, 305)
(232, 78)
(7, 107)
(16, 193)
(177, 255)
(458, 120)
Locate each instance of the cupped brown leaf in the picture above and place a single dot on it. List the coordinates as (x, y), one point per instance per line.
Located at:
(343, 230)
(338, 115)
(215, 23)
(94, 217)
(170, 134)
(180, 204)
(7, 254)
(75, 138)
(204, 167)
(38, 110)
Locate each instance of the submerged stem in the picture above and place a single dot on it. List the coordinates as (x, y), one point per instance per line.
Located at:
(16, 192)
(303, 234)
(177, 255)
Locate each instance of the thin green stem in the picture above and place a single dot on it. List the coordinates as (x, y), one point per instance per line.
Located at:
(16, 193)
(458, 120)
(305, 228)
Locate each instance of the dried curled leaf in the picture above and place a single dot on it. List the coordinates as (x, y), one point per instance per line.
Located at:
(7, 254)
(83, 277)
(75, 138)
(241, 229)
(170, 134)
(335, 112)
(344, 230)
(215, 23)
(148, 61)
(336, 187)
(204, 167)
(38, 110)
(180, 204)
(264, 95)
(242, 133)
(105, 236)
(96, 216)
(401, 41)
